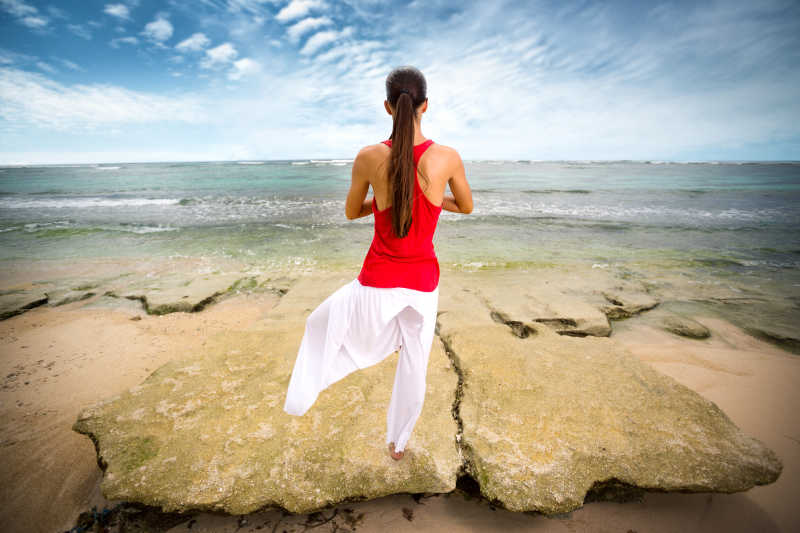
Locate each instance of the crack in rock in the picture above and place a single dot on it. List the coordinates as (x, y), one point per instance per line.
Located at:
(467, 481)
(518, 328)
(461, 447)
(246, 284)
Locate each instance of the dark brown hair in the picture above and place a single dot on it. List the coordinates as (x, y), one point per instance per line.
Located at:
(406, 90)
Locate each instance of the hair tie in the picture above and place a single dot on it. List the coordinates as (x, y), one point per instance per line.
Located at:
(405, 91)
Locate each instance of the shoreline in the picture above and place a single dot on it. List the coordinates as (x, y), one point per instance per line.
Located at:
(85, 351)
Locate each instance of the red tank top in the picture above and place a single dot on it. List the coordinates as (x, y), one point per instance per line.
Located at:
(411, 261)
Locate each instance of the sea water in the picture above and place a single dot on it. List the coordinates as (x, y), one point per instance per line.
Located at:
(743, 216)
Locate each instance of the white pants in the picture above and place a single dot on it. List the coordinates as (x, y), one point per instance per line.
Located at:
(356, 327)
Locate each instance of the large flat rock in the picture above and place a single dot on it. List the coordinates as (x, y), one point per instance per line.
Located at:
(209, 432)
(547, 416)
(543, 416)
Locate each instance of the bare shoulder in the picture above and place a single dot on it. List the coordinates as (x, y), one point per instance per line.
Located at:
(446, 153)
(446, 157)
(373, 152)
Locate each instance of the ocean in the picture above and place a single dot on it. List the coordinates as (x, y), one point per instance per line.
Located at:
(740, 217)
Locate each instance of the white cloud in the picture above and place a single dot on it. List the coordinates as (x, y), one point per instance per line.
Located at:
(70, 64)
(123, 40)
(322, 38)
(299, 29)
(159, 30)
(243, 67)
(7, 57)
(18, 8)
(30, 98)
(245, 28)
(46, 67)
(298, 8)
(219, 56)
(57, 13)
(196, 42)
(251, 6)
(117, 10)
(80, 31)
(26, 14)
(34, 22)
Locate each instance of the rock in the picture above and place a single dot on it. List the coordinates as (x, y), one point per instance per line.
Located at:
(110, 300)
(209, 433)
(627, 304)
(16, 301)
(174, 293)
(57, 298)
(564, 313)
(542, 419)
(774, 334)
(546, 417)
(685, 327)
(66, 291)
(771, 320)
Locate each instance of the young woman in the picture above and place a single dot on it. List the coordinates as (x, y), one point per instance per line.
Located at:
(392, 304)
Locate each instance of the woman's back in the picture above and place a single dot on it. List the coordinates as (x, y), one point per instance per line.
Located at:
(432, 175)
(409, 261)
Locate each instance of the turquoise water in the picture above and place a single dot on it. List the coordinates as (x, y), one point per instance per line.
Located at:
(731, 218)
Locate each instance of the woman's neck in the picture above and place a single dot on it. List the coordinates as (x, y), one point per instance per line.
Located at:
(419, 138)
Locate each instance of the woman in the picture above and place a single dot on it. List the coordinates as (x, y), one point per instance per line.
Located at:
(392, 304)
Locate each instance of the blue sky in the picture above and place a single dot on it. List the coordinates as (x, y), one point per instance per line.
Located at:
(133, 80)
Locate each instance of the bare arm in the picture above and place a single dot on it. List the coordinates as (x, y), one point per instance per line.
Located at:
(356, 206)
(366, 209)
(461, 200)
(449, 204)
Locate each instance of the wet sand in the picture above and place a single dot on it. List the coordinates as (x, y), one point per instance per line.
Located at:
(57, 360)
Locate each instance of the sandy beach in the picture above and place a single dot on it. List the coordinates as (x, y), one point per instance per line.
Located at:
(57, 360)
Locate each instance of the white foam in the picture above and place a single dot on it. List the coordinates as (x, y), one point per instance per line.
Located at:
(59, 203)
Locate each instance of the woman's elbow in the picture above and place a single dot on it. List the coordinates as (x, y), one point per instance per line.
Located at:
(466, 210)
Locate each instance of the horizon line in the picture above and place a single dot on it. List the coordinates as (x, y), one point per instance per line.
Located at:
(347, 161)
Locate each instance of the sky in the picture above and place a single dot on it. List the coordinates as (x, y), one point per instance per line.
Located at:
(208, 80)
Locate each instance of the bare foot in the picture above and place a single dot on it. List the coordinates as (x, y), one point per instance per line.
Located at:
(395, 455)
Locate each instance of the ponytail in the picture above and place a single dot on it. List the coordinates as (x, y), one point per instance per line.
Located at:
(401, 164)
(406, 90)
